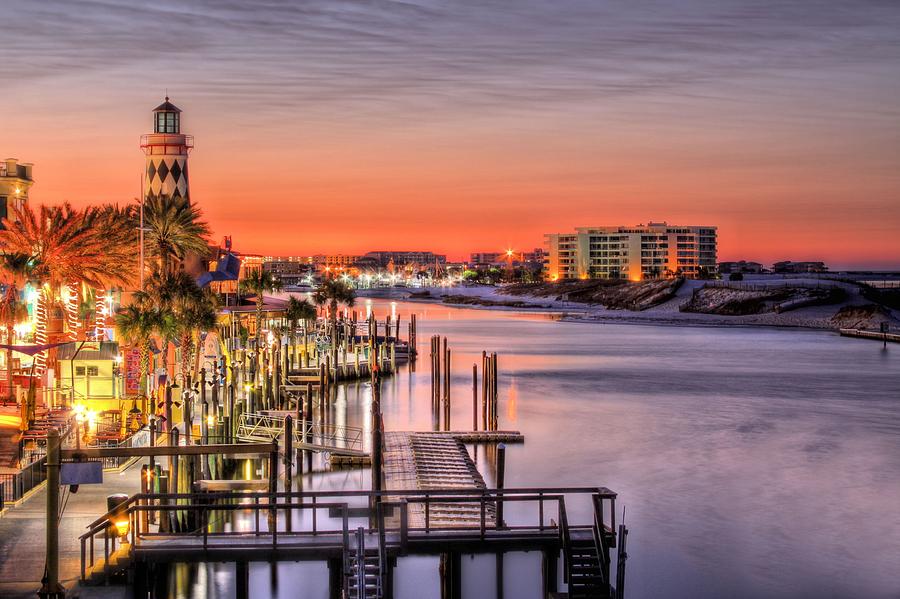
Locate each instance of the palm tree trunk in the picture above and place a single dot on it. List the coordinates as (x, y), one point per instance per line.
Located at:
(42, 310)
(165, 356)
(195, 347)
(10, 330)
(259, 311)
(71, 308)
(186, 342)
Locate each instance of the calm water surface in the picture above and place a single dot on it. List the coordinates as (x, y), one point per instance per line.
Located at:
(751, 462)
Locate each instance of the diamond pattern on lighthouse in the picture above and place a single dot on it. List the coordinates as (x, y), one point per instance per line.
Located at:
(175, 171)
(167, 176)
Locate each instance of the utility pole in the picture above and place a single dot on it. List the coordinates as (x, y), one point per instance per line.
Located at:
(51, 588)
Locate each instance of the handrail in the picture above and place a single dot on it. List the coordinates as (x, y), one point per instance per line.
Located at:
(133, 513)
(600, 538)
(565, 540)
(360, 563)
(435, 495)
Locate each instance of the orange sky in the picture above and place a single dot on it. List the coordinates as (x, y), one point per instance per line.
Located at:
(399, 132)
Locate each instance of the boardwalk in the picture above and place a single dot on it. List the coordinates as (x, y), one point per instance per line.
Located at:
(22, 533)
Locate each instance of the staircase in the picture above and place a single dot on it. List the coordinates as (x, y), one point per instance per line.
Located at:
(586, 573)
(364, 572)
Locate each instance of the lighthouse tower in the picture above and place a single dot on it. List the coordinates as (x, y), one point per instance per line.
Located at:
(166, 149)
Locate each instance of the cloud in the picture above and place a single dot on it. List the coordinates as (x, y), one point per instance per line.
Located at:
(428, 57)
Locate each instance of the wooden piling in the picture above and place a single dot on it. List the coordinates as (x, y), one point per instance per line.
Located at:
(474, 397)
(484, 390)
(501, 474)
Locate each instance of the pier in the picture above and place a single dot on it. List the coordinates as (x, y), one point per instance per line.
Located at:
(359, 534)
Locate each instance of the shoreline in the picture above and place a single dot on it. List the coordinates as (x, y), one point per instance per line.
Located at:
(813, 318)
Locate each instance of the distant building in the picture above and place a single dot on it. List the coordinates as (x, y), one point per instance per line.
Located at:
(332, 262)
(502, 258)
(641, 252)
(789, 267)
(402, 260)
(289, 272)
(741, 266)
(15, 181)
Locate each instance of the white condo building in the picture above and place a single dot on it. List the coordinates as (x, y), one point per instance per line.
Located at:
(641, 252)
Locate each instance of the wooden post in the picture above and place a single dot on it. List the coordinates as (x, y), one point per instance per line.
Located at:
(204, 438)
(474, 397)
(377, 432)
(501, 474)
(308, 412)
(549, 571)
(174, 478)
(242, 580)
(484, 387)
(447, 389)
(276, 375)
(288, 455)
(499, 569)
(202, 385)
(229, 431)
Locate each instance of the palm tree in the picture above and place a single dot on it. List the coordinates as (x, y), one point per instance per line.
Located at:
(196, 316)
(295, 311)
(13, 272)
(332, 293)
(68, 248)
(136, 325)
(258, 282)
(173, 229)
(171, 294)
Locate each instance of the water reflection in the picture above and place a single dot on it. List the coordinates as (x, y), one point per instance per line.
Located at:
(753, 462)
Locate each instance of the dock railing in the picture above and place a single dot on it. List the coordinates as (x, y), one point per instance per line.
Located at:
(213, 510)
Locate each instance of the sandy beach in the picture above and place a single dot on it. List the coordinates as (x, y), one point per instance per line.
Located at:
(666, 313)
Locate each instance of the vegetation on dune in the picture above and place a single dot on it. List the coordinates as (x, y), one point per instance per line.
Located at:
(615, 294)
(743, 301)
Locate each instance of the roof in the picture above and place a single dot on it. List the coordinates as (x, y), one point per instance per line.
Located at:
(227, 269)
(167, 107)
(108, 350)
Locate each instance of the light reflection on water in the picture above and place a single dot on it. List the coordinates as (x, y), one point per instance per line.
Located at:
(752, 462)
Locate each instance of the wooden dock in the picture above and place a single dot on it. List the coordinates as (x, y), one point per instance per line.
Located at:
(876, 335)
(425, 461)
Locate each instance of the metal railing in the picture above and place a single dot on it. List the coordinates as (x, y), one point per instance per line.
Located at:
(140, 438)
(255, 426)
(221, 504)
(15, 486)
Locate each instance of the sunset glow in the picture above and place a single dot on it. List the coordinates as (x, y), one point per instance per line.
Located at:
(781, 129)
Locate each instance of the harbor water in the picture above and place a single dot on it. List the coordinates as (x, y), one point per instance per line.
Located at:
(750, 462)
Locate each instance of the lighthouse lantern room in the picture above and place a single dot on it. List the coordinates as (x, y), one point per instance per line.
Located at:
(166, 151)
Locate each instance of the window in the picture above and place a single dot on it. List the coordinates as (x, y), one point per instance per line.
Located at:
(167, 122)
(93, 371)
(79, 371)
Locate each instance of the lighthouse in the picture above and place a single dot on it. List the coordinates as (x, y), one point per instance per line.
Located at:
(166, 151)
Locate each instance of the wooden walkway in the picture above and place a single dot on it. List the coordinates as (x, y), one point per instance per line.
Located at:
(424, 461)
(876, 335)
